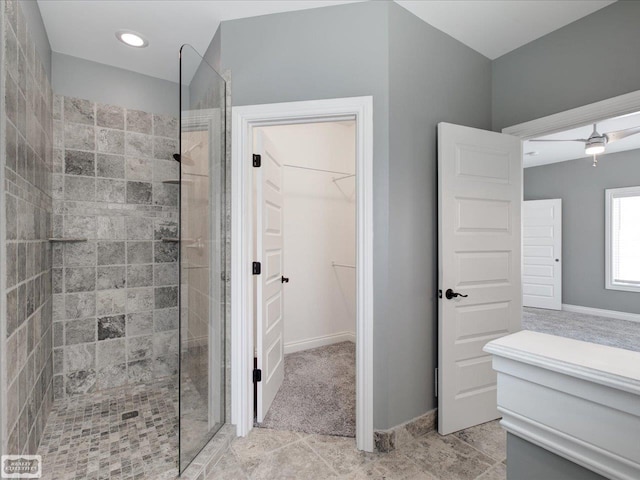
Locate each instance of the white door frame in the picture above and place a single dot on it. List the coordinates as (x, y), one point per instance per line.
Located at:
(244, 120)
(577, 117)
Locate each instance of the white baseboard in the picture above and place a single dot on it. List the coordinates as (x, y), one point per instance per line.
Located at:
(631, 317)
(315, 342)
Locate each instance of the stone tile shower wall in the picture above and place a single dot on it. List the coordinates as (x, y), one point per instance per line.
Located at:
(115, 295)
(26, 160)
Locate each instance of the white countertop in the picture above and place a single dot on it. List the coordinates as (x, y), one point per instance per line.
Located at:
(602, 364)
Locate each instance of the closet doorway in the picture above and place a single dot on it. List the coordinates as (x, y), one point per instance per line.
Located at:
(316, 208)
(305, 294)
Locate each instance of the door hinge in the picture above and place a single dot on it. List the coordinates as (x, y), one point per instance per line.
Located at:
(257, 160)
(256, 269)
(436, 382)
(257, 375)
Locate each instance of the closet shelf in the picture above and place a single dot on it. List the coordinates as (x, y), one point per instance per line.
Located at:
(334, 264)
(319, 170)
(67, 240)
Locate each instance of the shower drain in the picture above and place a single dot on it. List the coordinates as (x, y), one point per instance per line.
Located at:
(128, 415)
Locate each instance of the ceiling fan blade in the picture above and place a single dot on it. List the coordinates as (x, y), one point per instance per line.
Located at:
(583, 140)
(620, 134)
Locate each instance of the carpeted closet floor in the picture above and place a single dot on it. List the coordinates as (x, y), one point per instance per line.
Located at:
(318, 394)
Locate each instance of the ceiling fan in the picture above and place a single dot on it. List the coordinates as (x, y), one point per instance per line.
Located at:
(596, 143)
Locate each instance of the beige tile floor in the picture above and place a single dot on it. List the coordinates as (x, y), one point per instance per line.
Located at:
(478, 453)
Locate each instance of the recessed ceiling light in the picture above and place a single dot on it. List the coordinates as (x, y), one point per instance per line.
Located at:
(132, 39)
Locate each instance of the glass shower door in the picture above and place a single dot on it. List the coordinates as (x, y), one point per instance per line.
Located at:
(202, 253)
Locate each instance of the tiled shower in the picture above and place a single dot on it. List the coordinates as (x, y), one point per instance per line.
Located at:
(115, 254)
(114, 283)
(27, 147)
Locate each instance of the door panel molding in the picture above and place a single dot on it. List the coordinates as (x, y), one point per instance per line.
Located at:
(269, 239)
(542, 253)
(479, 250)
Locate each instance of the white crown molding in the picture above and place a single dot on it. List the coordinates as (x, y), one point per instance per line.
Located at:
(577, 117)
(598, 312)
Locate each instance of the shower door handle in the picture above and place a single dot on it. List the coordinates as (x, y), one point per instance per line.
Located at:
(284, 279)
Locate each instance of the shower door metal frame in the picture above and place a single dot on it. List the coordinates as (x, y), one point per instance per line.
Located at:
(244, 120)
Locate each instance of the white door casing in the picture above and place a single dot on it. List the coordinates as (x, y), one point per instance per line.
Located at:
(541, 254)
(244, 121)
(269, 291)
(479, 233)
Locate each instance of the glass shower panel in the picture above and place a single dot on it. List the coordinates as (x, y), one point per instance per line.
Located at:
(202, 253)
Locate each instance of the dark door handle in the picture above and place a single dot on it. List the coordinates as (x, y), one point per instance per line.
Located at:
(284, 279)
(451, 294)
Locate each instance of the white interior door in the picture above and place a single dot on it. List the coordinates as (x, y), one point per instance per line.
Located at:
(541, 254)
(479, 202)
(269, 291)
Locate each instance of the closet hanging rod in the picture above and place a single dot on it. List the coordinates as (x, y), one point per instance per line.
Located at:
(316, 169)
(343, 178)
(334, 264)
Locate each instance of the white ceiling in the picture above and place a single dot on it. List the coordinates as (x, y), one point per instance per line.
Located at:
(495, 27)
(86, 28)
(553, 152)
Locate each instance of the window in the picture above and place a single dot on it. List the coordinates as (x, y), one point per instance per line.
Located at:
(623, 239)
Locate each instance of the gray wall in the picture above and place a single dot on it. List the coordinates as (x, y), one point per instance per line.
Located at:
(370, 49)
(38, 33)
(205, 86)
(76, 77)
(530, 462)
(589, 60)
(337, 52)
(441, 81)
(581, 188)
(213, 54)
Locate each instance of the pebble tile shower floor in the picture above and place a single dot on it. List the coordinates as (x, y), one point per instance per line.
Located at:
(86, 437)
